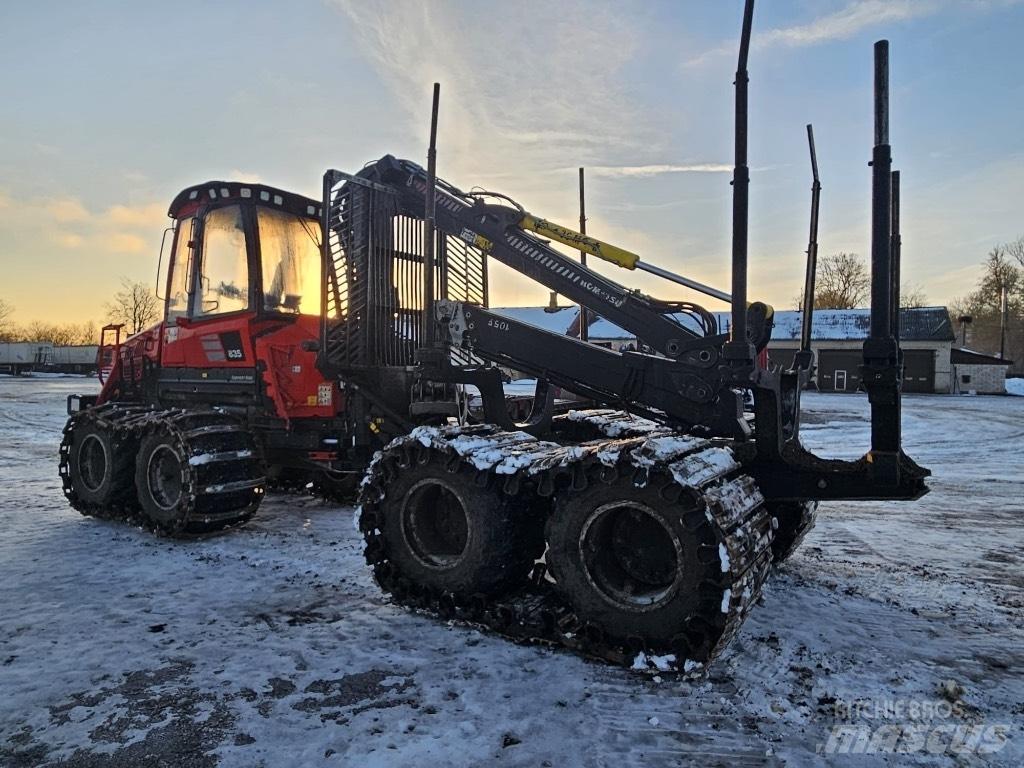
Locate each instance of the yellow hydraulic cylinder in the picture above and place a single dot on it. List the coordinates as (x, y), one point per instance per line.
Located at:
(579, 241)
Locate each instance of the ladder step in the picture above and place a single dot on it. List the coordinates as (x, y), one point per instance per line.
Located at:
(218, 456)
(214, 429)
(238, 485)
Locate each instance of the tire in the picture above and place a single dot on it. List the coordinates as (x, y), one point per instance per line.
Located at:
(100, 467)
(795, 520)
(199, 472)
(448, 534)
(163, 481)
(638, 566)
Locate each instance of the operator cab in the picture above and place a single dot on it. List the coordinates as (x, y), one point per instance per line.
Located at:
(243, 248)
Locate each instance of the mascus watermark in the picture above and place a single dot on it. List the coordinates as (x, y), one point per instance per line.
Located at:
(909, 726)
(911, 738)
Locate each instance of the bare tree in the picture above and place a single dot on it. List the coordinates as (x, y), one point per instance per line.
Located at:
(6, 327)
(61, 335)
(1016, 250)
(913, 297)
(86, 333)
(843, 282)
(135, 305)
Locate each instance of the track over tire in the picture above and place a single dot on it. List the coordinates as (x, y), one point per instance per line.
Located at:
(635, 564)
(795, 520)
(198, 472)
(100, 468)
(445, 532)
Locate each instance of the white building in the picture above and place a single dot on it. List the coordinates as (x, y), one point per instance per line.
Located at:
(975, 373)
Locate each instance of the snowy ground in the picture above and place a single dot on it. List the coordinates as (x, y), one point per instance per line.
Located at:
(270, 646)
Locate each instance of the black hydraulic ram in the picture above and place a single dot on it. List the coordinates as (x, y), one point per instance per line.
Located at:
(896, 247)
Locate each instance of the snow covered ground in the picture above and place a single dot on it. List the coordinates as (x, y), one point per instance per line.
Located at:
(270, 646)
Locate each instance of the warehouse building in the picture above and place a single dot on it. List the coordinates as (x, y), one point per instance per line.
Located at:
(19, 357)
(837, 339)
(80, 358)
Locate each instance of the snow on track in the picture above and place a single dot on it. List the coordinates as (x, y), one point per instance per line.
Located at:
(271, 646)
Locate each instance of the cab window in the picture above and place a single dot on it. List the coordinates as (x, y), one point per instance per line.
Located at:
(177, 289)
(290, 258)
(224, 278)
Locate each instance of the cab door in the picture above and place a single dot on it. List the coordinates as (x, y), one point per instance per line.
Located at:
(207, 353)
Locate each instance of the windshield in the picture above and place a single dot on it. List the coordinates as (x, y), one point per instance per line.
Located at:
(290, 255)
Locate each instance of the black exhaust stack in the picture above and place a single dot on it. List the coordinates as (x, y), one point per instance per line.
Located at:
(881, 369)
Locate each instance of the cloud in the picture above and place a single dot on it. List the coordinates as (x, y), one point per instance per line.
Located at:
(848, 21)
(67, 210)
(536, 89)
(150, 215)
(69, 239)
(641, 171)
(128, 229)
(122, 242)
(244, 176)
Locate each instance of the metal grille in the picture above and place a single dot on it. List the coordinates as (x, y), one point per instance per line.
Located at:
(373, 276)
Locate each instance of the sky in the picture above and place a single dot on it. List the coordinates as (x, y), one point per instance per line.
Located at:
(110, 108)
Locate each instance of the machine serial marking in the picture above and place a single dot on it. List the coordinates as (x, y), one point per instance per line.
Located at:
(527, 249)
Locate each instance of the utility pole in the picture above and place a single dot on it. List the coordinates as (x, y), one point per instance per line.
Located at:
(584, 321)
(1004, 311)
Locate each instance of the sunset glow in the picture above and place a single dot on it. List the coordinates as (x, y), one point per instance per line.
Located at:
(98, 138)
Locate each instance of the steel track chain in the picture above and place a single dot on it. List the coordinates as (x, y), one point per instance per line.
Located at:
(519, 463)
(128, 424)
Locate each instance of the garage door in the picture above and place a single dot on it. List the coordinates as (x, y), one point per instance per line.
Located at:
(839, 370)
(918, 370)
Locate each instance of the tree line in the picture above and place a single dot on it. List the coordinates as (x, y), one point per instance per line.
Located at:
(843, 281)
(978, 316)
(134, 305)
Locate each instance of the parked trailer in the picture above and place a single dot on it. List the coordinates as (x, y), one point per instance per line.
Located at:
(80, 358)
(24, 356)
